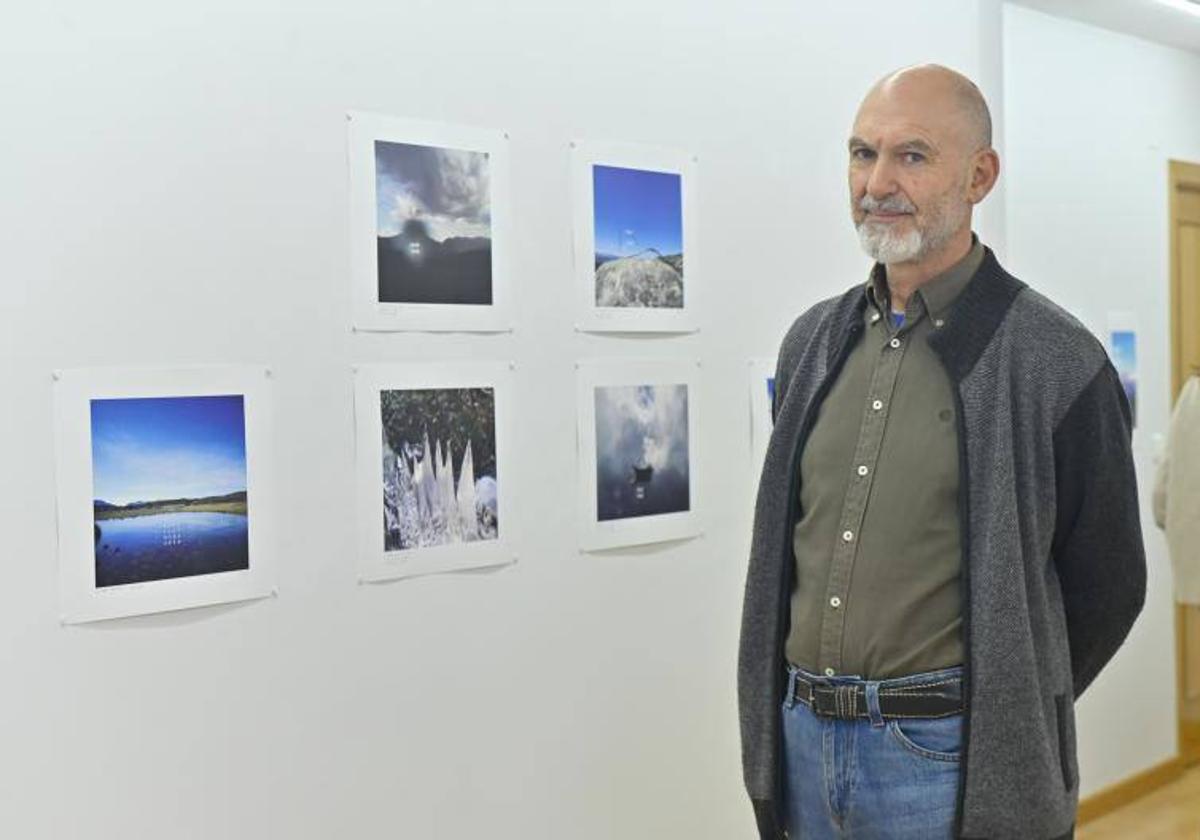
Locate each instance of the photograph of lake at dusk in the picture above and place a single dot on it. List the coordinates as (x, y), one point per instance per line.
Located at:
(169, 488)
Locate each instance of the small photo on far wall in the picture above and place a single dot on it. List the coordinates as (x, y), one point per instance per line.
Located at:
(1123, 351)
(1124, 357)
(762, 396)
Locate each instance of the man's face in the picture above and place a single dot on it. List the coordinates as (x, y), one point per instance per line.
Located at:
(909, 168)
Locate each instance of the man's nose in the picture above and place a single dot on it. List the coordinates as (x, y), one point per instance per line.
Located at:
(881, 182)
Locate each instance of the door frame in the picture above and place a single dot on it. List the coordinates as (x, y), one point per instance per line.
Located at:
(1182, 177)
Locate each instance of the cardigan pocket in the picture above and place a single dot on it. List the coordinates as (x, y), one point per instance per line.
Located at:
(1065, 740)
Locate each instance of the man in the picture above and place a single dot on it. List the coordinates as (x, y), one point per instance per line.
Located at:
(946, 544)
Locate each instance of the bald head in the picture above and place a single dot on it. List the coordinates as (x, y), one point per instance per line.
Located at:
(932, 88)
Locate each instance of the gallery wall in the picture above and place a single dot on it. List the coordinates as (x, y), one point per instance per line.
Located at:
(1093, 117)
(175, 193)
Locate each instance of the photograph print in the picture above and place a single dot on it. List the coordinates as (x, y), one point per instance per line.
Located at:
(431, 469)
(638, 251)
(170, 488)
(641, 450)
(427, 220)
(762, 395)
(1123, 349)
(439, 467)
(635, 254)
(433, 225)
(163, 487)
(637, 444)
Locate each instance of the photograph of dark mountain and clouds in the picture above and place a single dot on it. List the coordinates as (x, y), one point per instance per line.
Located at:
(433, 225)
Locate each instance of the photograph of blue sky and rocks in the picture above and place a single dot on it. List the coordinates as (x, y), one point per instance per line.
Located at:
(169, 488)
(439, 467)
(641, 450)
(433, 225)
(638, 218)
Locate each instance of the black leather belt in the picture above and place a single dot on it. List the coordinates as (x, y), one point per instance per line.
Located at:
(939, 698)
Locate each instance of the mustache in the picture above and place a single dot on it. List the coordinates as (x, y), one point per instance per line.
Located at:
(891, 204)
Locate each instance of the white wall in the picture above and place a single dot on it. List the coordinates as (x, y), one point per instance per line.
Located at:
(174, 192)
(1093, 118)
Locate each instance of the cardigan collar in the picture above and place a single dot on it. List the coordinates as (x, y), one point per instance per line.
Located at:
(971, 321)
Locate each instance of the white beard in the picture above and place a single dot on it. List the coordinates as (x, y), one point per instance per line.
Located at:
(882, 245)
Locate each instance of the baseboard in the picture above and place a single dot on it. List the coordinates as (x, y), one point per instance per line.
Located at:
(1127, 790)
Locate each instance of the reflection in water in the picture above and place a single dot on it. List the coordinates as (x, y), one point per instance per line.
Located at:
(170, 545)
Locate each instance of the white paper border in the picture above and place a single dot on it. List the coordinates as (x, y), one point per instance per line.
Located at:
(376, 564)
(80, 599)
(369, 314)
(593, 533)
(592, 318)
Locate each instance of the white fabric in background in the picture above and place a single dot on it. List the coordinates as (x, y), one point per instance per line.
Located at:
(1177, 493)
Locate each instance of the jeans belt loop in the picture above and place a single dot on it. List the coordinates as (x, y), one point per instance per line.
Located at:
(871, 696)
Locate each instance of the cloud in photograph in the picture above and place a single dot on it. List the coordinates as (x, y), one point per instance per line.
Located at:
(447, 189)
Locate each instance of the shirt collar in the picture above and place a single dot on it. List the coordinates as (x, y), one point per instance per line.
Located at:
(936, 295)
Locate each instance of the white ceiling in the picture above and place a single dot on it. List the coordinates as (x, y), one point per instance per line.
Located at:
(1153, 20)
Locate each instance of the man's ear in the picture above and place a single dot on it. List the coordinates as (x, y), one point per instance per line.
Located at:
(985, 171)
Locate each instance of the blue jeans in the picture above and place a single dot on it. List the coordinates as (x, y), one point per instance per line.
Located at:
(894, 778)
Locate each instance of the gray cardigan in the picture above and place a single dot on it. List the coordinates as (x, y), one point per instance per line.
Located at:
(1054, 572)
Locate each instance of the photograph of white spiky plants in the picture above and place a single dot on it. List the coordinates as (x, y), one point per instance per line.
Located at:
(431, 467)
(439, 467)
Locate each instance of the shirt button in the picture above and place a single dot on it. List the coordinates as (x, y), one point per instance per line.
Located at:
(895, 342)
(835, 602)
(939, 322)
(862, 470)
(829, 672)
(877, 404)
(847, 536)
(874, 318)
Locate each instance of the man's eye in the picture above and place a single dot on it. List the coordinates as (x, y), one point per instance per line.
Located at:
(913, 157)
(862, 154)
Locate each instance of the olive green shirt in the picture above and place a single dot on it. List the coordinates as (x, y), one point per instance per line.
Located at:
(877, 545)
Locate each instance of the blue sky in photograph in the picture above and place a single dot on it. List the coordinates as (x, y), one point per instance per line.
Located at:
(637, 209)
(1124, 351)
(147, 449)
